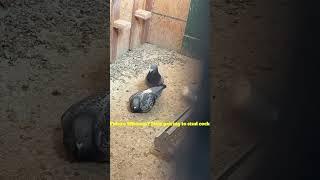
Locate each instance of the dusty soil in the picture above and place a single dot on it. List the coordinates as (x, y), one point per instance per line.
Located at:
(52, 54)
(249, 60)
(131, 147)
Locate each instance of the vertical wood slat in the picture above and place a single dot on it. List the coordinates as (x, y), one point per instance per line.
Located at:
(115, 14)
(145, 30)
(133, 23)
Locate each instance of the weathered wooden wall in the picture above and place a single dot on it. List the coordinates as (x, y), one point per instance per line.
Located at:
(123, 39)
(165, 28)
(114, 14)
(168, 22)
(124, 35)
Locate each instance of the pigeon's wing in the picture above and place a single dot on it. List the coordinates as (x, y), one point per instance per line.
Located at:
(103, 141)
(148, 75)
(157, 90)
(102, 126)
(147, 102)
(103, 112)
(148, 80)
(81, 105)
(96, 105)
(135, 94)
(91, 104)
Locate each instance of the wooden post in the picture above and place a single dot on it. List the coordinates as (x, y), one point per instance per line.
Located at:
(140, 26)
(115, 14)
(145, 30)
(134, 23)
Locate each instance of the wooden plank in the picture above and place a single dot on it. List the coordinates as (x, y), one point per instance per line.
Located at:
(115, 14)
(232, 166)
(123, 41)
(121, 24)
(178, 8)
(124, 35)
(166, 32)
(126, 10)
(136, 25)
(143, 14)
(169, 138)
(145, 30)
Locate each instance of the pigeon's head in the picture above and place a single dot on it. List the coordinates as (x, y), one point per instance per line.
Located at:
(135, 105)
(153, 68)
(83, 134)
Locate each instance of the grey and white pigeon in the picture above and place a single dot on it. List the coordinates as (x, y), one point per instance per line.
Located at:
(85, 128)
(142, 102)
(153, 77)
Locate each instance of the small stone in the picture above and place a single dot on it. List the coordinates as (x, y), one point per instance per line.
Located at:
(25, 87)
(23, 137)
(257, 17)
(43, 167)
(56, 93)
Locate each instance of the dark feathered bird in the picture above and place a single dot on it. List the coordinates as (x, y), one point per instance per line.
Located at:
(142, 102)
(85, 128)
(153, 77)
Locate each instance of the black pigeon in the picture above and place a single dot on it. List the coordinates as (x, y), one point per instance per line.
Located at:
(85, 129)
(142, 102)
(153, 77)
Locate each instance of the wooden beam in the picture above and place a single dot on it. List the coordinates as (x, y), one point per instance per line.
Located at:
(143, 14)
(145, 31)
(121, 24)
(169, 138)
(115, 14)
(134, 24)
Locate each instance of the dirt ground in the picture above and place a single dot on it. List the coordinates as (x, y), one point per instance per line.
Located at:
(131, 147)
(52, 54)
